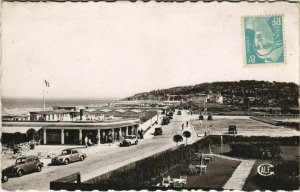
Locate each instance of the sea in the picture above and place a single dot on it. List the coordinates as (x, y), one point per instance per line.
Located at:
(25, 104)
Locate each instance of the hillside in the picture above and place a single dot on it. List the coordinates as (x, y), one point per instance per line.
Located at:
(258, 93)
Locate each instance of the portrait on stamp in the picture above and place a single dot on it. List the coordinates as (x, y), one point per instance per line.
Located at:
(264, 39)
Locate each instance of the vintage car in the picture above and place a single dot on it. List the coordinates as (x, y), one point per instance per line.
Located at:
(23, 165)
(179, 113)
(157, 131)
(165, 121)
(129, 140)
(232, 129)
(69, 155)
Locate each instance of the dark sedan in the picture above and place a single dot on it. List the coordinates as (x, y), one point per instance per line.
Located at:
(23, 165)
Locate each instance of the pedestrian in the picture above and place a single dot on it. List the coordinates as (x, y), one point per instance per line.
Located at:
(187, 123)
(90, 142)
(182, 126)
(142, 134)
(86, 141)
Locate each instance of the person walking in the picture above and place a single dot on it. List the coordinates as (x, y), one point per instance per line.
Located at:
(86, 140)
(187, 123)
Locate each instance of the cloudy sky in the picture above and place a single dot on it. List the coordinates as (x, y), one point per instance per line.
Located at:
(101, 50)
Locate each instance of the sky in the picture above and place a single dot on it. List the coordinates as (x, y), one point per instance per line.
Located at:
(104, 50)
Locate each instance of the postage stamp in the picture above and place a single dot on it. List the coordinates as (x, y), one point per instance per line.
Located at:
(264, 42)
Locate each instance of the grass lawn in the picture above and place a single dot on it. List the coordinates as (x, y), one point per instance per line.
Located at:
(250, 184)
(219, 170)
(289, 153)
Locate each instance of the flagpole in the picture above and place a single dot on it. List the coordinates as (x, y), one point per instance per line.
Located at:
(44, 96)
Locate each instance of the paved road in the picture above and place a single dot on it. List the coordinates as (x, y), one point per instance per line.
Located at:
(103, 160)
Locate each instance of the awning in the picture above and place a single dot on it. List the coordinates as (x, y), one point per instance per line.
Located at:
(6, 129)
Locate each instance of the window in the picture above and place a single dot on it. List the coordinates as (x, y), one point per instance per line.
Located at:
(65, 152)
(20, 161)
(74, 151)
(28, 160)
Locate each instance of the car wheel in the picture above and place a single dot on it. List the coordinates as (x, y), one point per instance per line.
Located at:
(81, 158)
(4, 178)
(136, 142)
(20, 173)
(66, 162)
(39, 168)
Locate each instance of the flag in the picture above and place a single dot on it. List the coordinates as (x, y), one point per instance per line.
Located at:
(47, 84)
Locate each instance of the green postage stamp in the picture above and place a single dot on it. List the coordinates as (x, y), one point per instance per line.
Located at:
(264, 42)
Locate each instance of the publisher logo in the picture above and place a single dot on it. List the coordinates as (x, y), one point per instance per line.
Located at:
(265, 169)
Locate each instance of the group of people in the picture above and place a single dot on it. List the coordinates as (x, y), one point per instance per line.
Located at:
(187, 124)
(87, 141)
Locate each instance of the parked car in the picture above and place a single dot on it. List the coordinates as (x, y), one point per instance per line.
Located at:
(23, 165)
(179, 113)
(232, 129)
(165, 121)
(169, 113)
(158, 131)
(69, 155)
(129, 140)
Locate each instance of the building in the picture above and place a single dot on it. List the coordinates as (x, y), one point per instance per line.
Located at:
(11, 117)
(54, 115)
(70, 126)
(215, 98)
(74, 133)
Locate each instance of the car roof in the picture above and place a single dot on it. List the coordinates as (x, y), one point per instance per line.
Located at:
(29, 156)
(70, 149)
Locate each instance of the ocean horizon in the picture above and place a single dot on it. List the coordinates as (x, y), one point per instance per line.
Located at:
(27, 103)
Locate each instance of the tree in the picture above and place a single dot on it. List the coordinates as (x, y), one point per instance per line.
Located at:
(177, 138)
(30, 133)
(187, 135)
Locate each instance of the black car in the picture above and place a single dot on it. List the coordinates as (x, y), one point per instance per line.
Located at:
(158, 131)
(179, 113)
(165, 121)
(232, 129)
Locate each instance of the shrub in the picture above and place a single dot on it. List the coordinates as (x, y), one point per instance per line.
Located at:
(255, 150)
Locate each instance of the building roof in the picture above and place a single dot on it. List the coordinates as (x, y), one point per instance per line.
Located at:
(11, 115)
(121, 110)
(96, 112)
(136, 111)
(51, 112)
(105, 110)
(67, 125)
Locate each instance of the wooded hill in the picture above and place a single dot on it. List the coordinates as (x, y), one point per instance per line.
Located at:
(260, 93)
